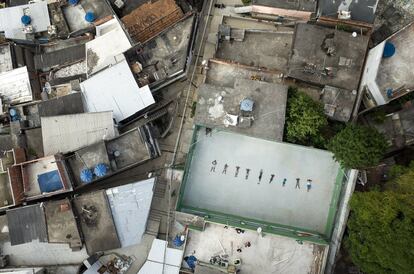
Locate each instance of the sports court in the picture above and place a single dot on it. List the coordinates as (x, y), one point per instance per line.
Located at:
(255, 194)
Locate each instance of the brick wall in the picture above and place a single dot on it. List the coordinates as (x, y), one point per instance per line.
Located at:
(16, 182)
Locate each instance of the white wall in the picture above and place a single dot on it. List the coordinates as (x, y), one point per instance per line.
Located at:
(370, 74)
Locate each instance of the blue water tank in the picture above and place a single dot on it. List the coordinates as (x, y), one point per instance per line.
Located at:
(26, 20)
(247, 104)
(191, 261)
(389, 50)
(73, 2)
(100, 170)
(178, 240)
(86, 176)
(90, 16)
(12, 112)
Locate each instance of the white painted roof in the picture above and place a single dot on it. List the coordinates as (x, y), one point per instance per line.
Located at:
(130, 205)
(110, 41)
(65, 133)
(115, 89)
(10, 19)
(15, 86)
(154, 264)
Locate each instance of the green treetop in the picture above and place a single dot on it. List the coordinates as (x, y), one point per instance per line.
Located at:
(358, 146)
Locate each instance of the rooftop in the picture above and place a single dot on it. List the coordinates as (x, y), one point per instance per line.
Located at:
(363, 11)
(115, 89)
(388, 78)
(260, 48)
(61, 224)
(10, 194)
(215, 104)
(15, 86)
(164, 58)
(32, 112)
(110, 41)
(224, 74)
(338, 103)
(53, 59)
(96, 222)
(6, 60)
(130, 206)
(42, 177)
(397, 127)
(219, 190)
(75, 15)
(302, 5)
(117, 154)
(66, 133)
(325, 56)
(151, 18)
(27, 224)
(10, 20)
(269, 254)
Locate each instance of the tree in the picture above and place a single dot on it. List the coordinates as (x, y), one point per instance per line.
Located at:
(358, 146)
(305, 119)
(381, 228)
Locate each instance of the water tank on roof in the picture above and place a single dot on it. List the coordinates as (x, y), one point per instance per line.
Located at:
(90, 16)
(73, 2)
(179, 240)
(101, 170)
(26, 20)
(389, 50)
(246, 104)
(86, 175)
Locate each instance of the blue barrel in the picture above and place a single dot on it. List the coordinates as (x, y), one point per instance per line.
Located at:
(73, 2)
(389, 50)
(26, 20)
(101, 170)
(90, 17)
(86, 176)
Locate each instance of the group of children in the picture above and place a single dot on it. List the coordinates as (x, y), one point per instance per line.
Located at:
(272, 176)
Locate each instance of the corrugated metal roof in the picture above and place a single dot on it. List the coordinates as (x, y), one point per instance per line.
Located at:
(68, 104)
(27, 224)
(130, 205)
(60, 58)
(115, 89)
(67, 133)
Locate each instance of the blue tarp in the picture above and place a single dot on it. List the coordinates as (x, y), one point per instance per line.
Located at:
(49, 181)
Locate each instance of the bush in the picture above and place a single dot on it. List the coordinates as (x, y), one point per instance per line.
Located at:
(358, 146)
(305, 119)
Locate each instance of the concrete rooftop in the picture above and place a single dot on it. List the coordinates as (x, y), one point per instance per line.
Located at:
(259, 48)
(309, 59)
(269, 254)
(164, 57)
(254, 194)
(96, 222)
(396, 72)
(268, 112)
(224, 74)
